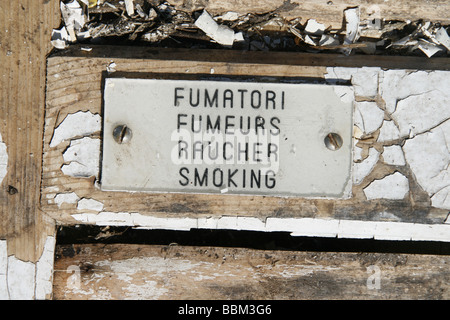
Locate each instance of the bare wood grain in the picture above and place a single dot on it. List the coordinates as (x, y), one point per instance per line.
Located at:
(177, 273)
(75, 84)
(25, 28)
(327, 12)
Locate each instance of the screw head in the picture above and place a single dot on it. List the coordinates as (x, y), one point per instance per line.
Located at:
(333, 141)
(122, 134)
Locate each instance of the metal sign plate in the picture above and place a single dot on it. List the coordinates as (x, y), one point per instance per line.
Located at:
(224, 137)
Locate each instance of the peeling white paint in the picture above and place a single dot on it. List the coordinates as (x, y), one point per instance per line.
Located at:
(365, 81)
(418, 113)
(357, 154)
(441, 199)
(368, 117)
(363, 168)
(340, 73)
(393, 187)
(82, 158)
(3, 160)
(314, 28)
(70, 197)
(21, 279)
(44, 270)
(89, 204)
(312, 227)
(79, 124)
(220, 33)
(4, 294)
(393, 155)
(397, 85)
(428, 156)
(352, 19)
(3, 257)
(388, 132)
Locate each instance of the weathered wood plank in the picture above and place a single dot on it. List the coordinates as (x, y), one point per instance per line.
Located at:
(75, 84)
(175, 272)
(25, 28)
(327, 12)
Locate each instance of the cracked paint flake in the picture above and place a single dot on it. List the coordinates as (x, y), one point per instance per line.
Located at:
(3, 160)
(368, 117)
(295, 226)
(4, 294)
(89, 204)
(393, 187)
(428, 156)
(44, 270)
(419, 113)
(82, 158)
(393, 155)
(388, 132)
(357, 154)
(79, 124)
(441, 199)
(21, 279)
(339, 73)
(365, 81)
(70, 197)
(363, 168)
(396, 85)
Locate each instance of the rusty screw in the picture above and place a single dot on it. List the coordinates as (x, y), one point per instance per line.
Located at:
(333, 141)
(122, 134)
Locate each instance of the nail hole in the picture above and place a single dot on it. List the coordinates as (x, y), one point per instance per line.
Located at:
(333, 141)
(11, 190)
(122, 134)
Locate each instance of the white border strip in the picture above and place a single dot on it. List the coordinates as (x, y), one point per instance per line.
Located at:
(311, 227)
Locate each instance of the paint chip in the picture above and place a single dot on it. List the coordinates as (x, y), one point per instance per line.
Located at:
(219, 33)
(368, 116)
(77, 124)
(73, 16)
(365, 81)
(70, 197)
(44, 270)
(388, 132)
(89, 204)
(82, 158)
(129, 7)
(392, 187)
(363, 168)
(443, 38)
(419, 113)
(429, 48)
(396, 85)
(3, 160)
(314, 28)
(4, 294)
(352, 16)
(393, 155)
(428, 156)
(60, 38)
(111, 67)
(441, 199)
(21, 279)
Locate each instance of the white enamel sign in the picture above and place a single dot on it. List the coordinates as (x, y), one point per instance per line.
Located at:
(227, 137)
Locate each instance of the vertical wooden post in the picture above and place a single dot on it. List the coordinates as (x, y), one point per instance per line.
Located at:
(25, 31)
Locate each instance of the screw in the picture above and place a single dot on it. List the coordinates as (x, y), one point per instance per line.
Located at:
(333, 141)
(122, 134)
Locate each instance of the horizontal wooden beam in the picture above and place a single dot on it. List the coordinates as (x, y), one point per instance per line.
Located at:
(330, 13)
(120, 271)
(311, 60)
